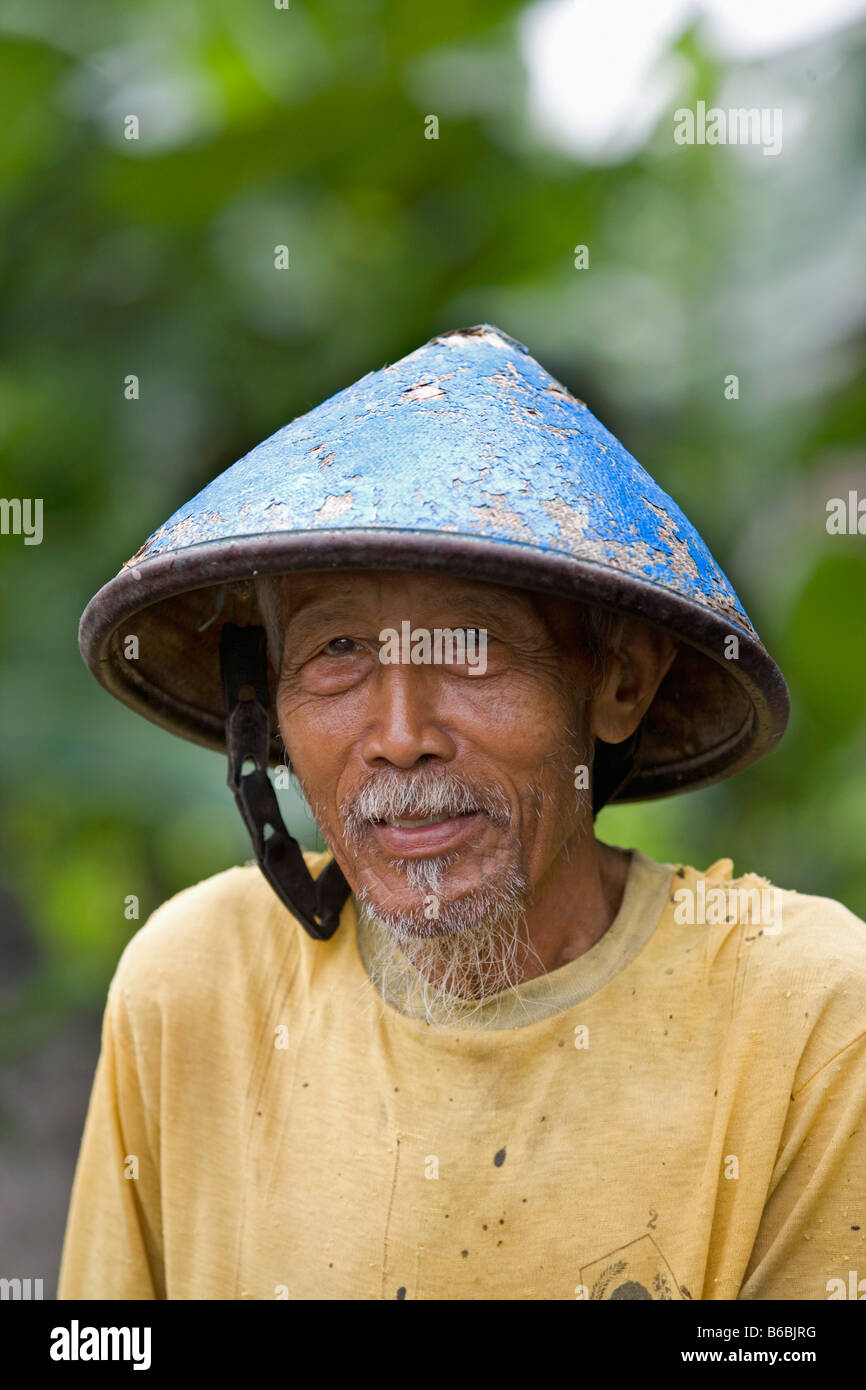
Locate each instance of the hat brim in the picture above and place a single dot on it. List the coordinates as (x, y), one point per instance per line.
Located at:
(711, 717)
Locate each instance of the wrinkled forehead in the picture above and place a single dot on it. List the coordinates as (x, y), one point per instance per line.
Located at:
(405, 592)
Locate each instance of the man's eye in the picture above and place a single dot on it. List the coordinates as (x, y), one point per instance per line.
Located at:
(339, 646)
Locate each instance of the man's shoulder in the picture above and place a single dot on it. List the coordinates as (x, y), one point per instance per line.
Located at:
(210, 933)
(798, 959)
(777, 924)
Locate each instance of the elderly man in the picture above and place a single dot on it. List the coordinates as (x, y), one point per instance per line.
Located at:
(470, 1051)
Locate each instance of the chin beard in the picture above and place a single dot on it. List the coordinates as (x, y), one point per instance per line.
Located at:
(445, 958)
(445, 955)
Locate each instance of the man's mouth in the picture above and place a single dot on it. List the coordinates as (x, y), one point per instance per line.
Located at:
(414, 822)
(426, 834)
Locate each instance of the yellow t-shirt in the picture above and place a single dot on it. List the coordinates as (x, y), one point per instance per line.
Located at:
(678, 1113)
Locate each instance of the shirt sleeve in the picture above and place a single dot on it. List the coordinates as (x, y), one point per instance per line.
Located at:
(113, 1242)
(811, 1242)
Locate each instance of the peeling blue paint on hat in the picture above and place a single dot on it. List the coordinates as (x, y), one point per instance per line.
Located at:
(468, 435)
(466, 455)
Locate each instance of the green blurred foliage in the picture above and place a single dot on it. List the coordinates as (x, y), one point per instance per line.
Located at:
(306, 127)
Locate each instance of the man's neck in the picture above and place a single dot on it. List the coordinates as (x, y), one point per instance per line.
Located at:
(574, 905)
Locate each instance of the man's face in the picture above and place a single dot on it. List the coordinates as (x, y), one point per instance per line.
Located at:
(442, 789)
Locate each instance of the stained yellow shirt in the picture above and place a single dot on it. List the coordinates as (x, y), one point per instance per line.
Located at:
(678, 1113)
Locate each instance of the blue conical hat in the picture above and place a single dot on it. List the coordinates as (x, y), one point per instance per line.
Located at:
(464, 457)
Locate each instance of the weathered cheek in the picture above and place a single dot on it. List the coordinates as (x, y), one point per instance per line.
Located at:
(532, 719)
(317, 732)
(295, 706)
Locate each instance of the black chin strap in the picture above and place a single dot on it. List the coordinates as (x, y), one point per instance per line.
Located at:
(614, 766)
(316, 902)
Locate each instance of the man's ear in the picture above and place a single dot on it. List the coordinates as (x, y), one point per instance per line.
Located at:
(636, 662)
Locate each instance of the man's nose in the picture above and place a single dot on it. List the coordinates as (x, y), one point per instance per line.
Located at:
(404, 726)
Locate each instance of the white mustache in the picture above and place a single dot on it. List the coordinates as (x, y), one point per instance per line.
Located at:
(391, 795)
